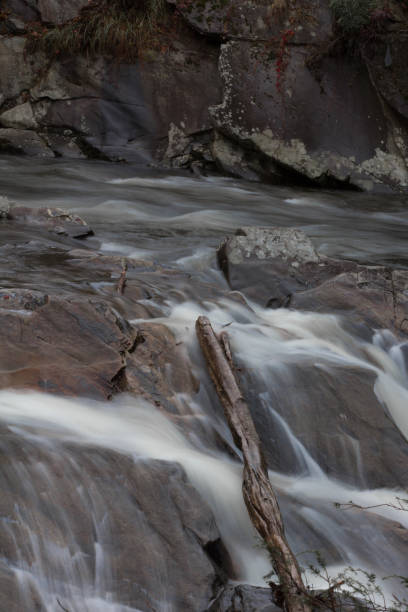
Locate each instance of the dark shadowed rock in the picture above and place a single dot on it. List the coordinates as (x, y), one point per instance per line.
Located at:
(189, 62)
(25, 142)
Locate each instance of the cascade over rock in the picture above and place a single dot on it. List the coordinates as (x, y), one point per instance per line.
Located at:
(279, 267)
(121, 485)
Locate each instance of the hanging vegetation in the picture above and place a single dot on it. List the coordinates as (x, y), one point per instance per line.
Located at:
(120, 29)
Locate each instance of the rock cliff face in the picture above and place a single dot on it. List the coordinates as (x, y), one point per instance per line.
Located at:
(256, 88)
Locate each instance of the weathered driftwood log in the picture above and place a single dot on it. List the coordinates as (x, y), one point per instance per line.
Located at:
(259, 496)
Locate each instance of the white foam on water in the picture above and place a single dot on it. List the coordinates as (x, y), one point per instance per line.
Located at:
(136, 428)
(115, 248)
(262, 339)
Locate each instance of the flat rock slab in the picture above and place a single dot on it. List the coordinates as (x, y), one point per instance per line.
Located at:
(68, 346)
(55, 220)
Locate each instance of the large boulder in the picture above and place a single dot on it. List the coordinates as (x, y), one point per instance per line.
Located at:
(110, 527)
(279, 267)
(334, 412)
(271, 264)
(292, 124)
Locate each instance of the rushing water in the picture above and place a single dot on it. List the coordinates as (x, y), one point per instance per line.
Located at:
(178, 221)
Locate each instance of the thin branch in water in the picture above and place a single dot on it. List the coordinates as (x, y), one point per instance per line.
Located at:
(61, 606)
(122, 279)
(402, 504)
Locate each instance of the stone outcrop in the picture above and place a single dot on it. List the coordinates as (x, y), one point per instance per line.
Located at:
(279, 267)
(154, 542)
(255, 89)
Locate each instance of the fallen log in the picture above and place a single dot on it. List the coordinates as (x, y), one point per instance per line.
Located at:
(259, 496)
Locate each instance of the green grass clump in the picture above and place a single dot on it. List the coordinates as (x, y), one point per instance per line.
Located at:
(352, 16)
(117, 28)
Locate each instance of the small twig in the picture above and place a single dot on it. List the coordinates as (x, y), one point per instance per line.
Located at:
(351, 505)
(61, 606)
(333, 587)
(122, 279)
(224, 341)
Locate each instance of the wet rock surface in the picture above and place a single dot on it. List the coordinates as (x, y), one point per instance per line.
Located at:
(153, 544)
(280, 268)
(65, 346)
(54, 220)
(355, 440)
(85, 336)
(245, 598)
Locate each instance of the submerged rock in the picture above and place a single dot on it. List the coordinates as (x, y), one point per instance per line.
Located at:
(55, 220)
(144, 551)
(336, 415)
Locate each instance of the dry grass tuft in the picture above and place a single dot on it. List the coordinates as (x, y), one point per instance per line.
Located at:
(120, 29)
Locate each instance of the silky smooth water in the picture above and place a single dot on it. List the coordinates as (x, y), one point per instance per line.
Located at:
(178, 221)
